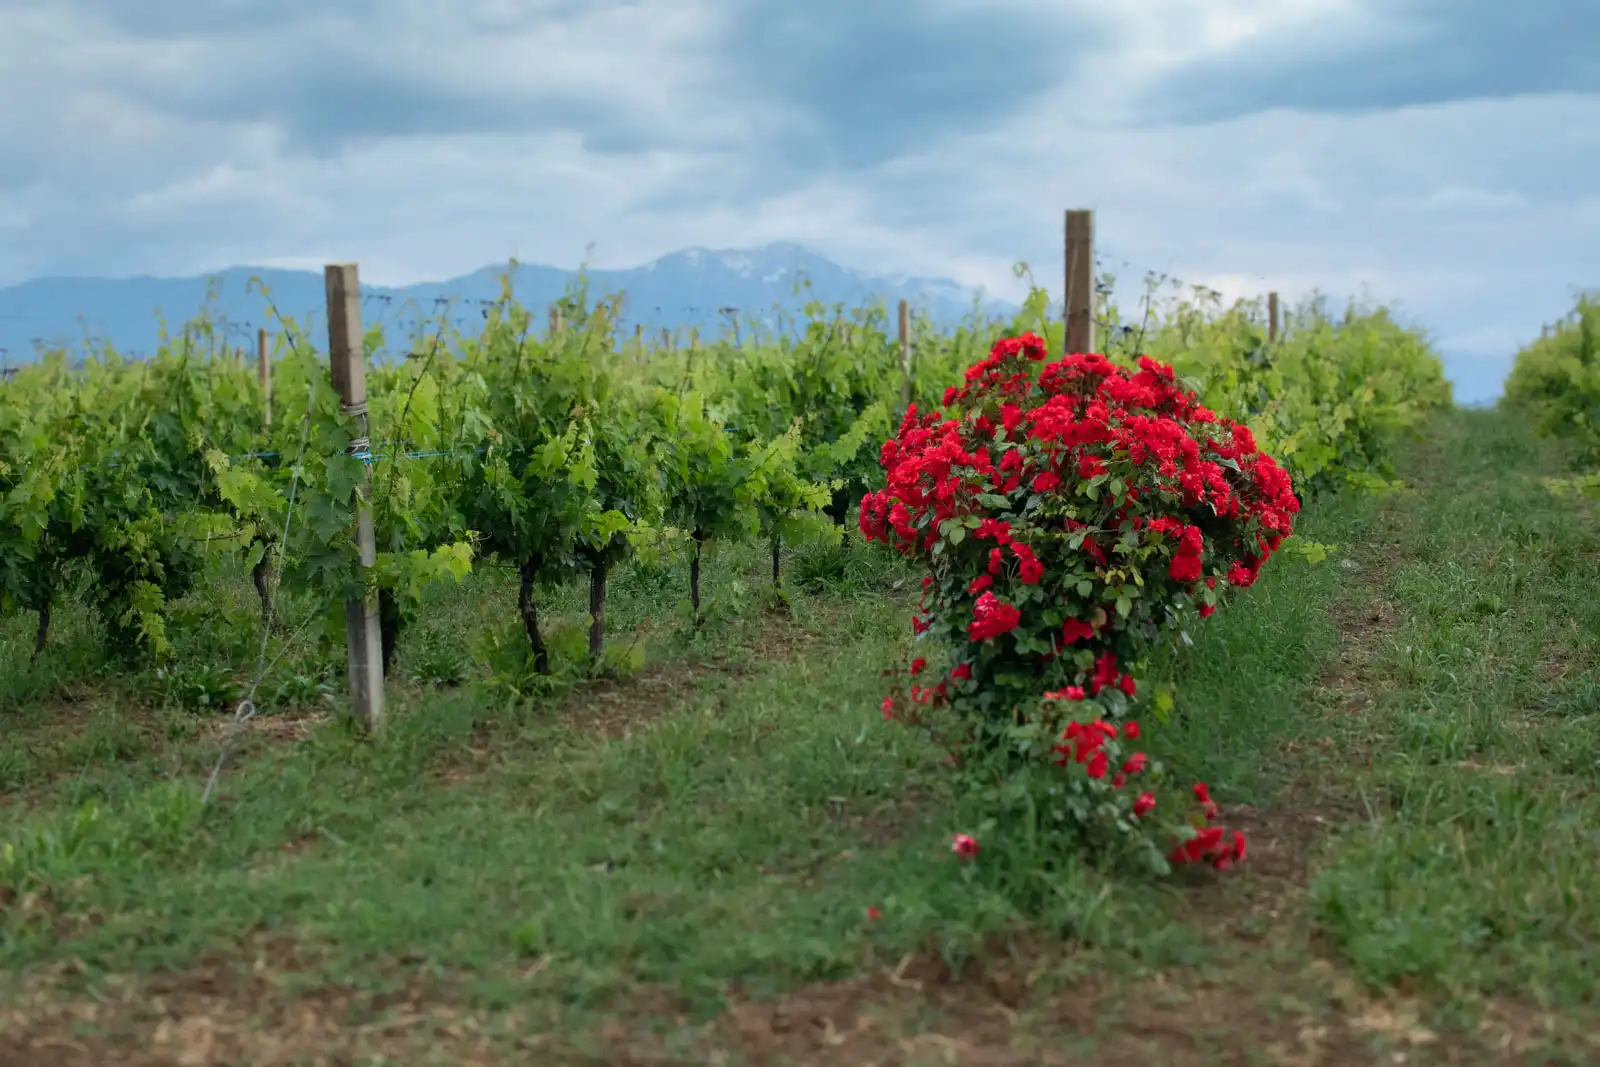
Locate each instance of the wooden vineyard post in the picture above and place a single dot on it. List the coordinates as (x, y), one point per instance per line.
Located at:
(1078, 304)
(905, 355)
(264, 372)
(555, 321)
(1272, 316)
(348, 368)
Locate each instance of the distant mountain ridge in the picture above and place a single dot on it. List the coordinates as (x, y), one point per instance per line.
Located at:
(678, 291)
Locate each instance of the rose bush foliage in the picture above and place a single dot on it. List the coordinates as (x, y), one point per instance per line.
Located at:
(1071, 513)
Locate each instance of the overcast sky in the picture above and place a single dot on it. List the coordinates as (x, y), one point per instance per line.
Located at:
(1443, 155)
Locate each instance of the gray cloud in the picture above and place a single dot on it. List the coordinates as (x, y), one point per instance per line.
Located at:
(867, 81)
(324, 104)
(325, 76)
(244, 19)
(1402, 53)
(200, 18)
(832, 83)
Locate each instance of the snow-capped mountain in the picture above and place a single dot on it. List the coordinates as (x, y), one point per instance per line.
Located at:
(695, 287)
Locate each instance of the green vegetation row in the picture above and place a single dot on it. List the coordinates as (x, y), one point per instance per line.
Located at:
(561, 455)
(1555, 385)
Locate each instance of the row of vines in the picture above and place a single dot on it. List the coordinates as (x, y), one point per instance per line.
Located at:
(125, 483)
(1555, 384)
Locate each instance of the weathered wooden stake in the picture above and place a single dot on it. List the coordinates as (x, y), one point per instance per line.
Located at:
(1079, 299)
(348, 368)
(1272, 316)
(555, 320)
(264, 372)
(905, 354)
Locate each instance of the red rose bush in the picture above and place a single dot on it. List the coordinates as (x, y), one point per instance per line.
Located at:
(1072, 514)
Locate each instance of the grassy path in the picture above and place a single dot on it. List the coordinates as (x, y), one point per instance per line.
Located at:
(679, 868)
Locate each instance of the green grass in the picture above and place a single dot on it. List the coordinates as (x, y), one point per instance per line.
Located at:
(1475, 867)
(1409, 731)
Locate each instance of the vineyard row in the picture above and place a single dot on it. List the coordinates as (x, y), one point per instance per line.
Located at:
(562, 452)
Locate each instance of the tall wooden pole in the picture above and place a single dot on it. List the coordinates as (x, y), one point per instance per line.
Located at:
(905, 354)
(1272, 316)
(1079, 300)
(264, 372)
(348, 368)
